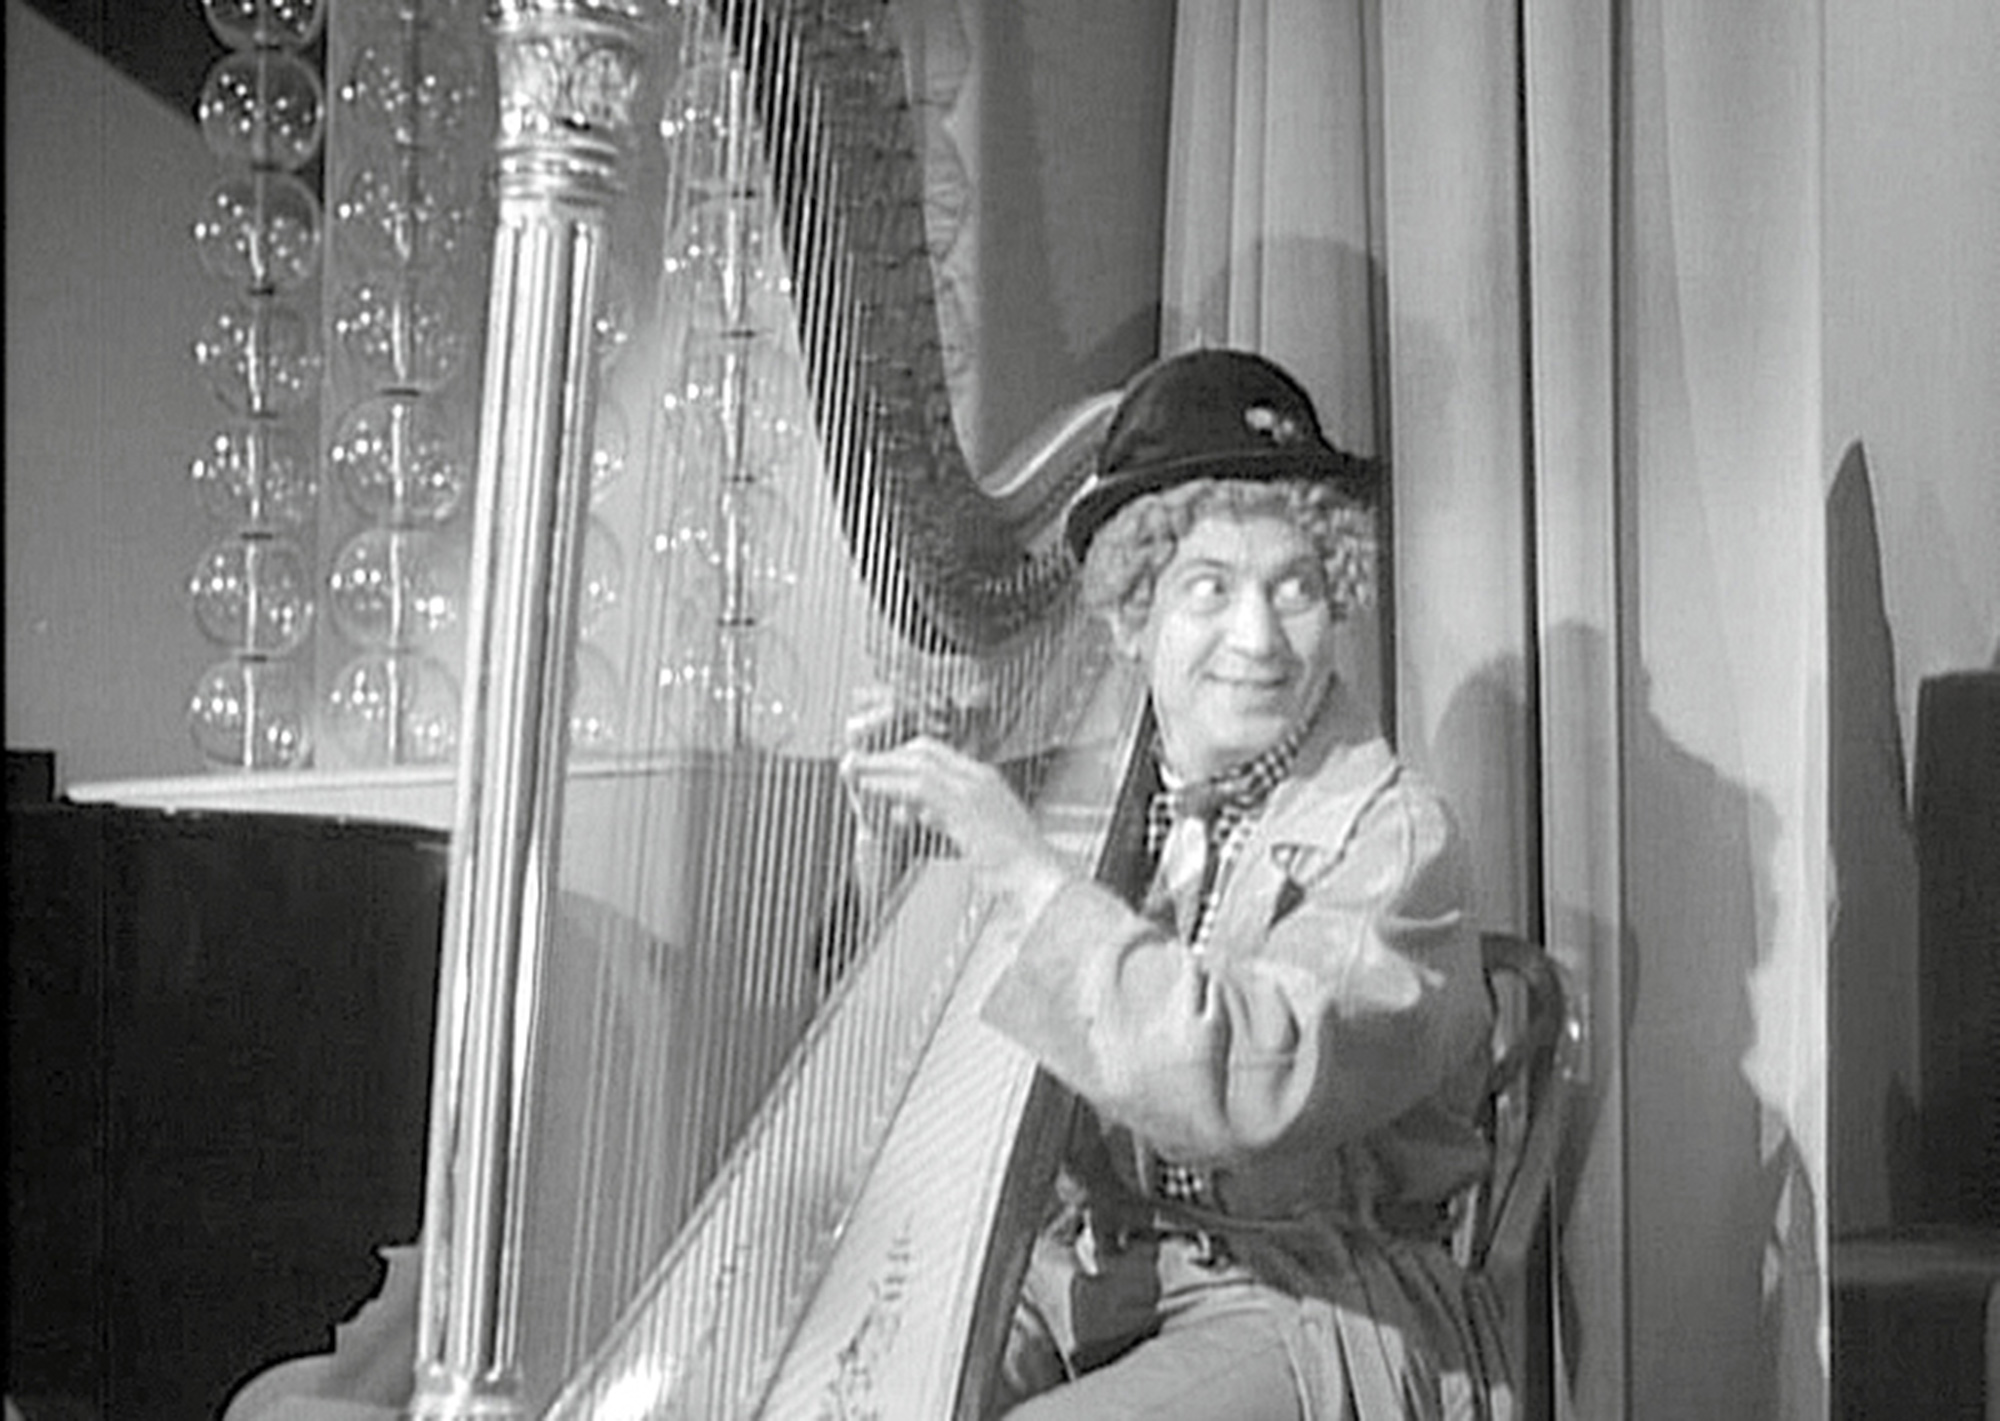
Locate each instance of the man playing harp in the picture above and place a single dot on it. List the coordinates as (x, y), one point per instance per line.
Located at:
(1280, 1046)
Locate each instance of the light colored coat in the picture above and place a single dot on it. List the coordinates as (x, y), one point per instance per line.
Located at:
(1322, 1053)
(1334, 1026)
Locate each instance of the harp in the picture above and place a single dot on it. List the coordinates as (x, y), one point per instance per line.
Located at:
(700, 1145)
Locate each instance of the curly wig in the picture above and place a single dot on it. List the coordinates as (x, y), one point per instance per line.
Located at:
(1128, 554)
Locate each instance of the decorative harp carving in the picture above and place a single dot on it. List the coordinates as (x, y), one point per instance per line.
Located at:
(693, 1147)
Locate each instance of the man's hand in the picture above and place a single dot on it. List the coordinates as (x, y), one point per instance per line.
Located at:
(884, 718)
(968, 801)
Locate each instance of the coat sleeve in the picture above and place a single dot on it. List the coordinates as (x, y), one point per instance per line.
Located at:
(1354, 1005)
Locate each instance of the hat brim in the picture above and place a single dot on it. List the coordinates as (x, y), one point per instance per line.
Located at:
(1351, 476)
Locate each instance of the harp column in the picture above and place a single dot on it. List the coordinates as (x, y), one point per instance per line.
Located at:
(569, 73)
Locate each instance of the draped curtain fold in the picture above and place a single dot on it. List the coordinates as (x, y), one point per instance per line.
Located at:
(1518, 253)
(1268, 240)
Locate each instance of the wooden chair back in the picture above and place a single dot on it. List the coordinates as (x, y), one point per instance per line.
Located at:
(1537, 1039)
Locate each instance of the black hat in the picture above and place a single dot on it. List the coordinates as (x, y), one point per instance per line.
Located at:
(1209, 414)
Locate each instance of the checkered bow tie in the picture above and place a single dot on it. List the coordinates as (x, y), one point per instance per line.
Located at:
(1233, 795)
(1186, 825)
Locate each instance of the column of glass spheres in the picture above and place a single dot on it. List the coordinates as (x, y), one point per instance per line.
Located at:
(405, 284)
(735, 423)
(262, 113)
(597, 722)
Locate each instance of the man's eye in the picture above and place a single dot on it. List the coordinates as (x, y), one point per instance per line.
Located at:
(1205, 589)
(1297, 593)
(1199, 589)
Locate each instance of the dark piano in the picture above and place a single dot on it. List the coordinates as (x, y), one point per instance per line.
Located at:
(218, 1057)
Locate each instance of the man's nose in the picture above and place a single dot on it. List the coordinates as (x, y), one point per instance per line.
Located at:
(1254, 625)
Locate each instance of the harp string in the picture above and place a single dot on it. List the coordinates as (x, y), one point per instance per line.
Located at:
(777, 373)
(608, 1237)
(622, 1069)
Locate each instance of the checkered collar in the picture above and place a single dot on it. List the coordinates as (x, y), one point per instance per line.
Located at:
(1234, 794)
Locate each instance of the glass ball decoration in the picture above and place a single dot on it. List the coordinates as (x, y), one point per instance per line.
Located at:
(736, 411)
(250, 714)
(253, 595)
(728, 268)
(737, 550)
(617, 317)
(262, 108)
(704, 126)
(394, 708)
(265, 24)
(260, 355)
(412, 95)
(602, 586)
(393, 589)
(405, 334)
(259, 230)
(729, 688)
(257, 477)
(595, 697)
(402, 212)
(399, 460)
(611, 442)
(374, 16)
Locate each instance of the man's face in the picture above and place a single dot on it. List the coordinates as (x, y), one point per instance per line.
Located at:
(1239, 644)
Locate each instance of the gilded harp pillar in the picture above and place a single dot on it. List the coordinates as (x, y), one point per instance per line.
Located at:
(568, 75)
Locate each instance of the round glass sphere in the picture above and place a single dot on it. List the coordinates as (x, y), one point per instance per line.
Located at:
(404, 334)
(603, 581)
(610, 446)
(251, 715)
(412, 95)
(377, 16)
(733, 688)
(400, 461)
(728, 268)
(265, 24)
(259, 230)
(704, 125)
(738, 551)
(392, 589)
(737, 412)
(616, 318)
(253, 595)
(262, 108)
(260, 355)
(402, 212)
(393, 708)
(595, 699)
(257, 477)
